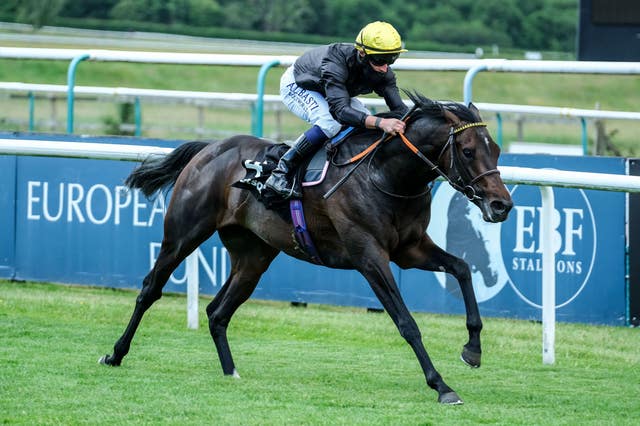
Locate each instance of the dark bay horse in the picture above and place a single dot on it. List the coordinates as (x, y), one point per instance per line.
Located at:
(379, 215)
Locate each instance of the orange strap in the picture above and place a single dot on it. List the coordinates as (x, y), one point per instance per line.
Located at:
(376, 143)
(365, 152)
(406, 141)
(373, 146)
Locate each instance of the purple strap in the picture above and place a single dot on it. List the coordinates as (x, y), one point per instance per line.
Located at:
(300, 231)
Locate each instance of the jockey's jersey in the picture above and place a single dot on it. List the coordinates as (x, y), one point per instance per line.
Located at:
(338, 73)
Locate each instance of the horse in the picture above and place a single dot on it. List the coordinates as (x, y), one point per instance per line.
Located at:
(376, 216)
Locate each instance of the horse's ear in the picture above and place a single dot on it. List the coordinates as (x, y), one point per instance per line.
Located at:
(451, 118)
(475, 111)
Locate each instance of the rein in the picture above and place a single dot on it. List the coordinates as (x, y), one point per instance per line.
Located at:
(363, 155)
(465, 188)
(464, 183)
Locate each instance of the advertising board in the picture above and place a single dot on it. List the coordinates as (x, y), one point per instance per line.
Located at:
(73, 221)
(589, 245)
(7, 215)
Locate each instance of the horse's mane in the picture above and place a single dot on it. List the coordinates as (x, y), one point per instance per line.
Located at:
(428, 108)
(435, 109)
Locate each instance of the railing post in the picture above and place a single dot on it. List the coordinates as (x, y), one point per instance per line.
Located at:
(468, 82)
(583, 122)
(499, 130)
(548, 277)
(71, 82)
(32, 100)
(258, 114)
(137, 111)
(193, 283)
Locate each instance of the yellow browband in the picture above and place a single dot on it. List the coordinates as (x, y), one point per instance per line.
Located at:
(468, 125)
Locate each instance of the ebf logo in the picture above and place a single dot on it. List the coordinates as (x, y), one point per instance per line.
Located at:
(573, 240)
(457, 226)
(510, 252)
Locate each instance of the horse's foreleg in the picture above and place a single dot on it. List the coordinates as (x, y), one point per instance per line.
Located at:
(250, 257)
(384, 286)
(428, 256)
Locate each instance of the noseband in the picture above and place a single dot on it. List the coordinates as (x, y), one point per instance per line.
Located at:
(465, 182)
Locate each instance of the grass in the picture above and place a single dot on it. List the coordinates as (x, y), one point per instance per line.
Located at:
(320, 365)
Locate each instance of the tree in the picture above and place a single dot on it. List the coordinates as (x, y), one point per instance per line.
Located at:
(88, 8)
(549, 29)
(501, 16)
(531, 24)
(472, 33)
(131, 10)
(201, 13)
(349, 16)
(285, 15)
(38, 12)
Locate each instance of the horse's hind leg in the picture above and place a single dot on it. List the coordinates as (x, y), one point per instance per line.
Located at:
(428, 256)
(250, 258)
(185, 228)
(151, 291)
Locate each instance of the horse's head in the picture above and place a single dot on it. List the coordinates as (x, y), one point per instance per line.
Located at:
(468, 156)
(470, 160)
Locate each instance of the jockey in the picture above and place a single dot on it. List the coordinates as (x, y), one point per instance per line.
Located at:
(321, 88)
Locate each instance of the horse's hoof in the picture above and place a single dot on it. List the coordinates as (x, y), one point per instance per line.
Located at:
(472, 359)
(234, 374)
(450, 398)
(107, 360)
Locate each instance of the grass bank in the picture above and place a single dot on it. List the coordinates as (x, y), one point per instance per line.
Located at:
(607, 92)
(320, 365)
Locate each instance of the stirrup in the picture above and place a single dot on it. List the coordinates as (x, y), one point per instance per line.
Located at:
(283, 189)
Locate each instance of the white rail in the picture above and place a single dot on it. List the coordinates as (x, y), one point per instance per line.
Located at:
(128, 92)
(211, 98)
(471, 66)
(143, 57)
(408, 64)
(210, 58)
(188, 95)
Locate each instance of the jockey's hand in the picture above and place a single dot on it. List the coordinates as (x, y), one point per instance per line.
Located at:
(392, 126)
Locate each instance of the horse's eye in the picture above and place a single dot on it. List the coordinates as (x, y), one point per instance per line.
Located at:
(467, 153)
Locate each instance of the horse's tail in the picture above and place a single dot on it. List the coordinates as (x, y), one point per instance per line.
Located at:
(157, 173)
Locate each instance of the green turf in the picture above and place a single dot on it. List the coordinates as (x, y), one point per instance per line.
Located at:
(319, 365)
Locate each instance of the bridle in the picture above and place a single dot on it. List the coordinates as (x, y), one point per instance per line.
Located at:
(464, 182)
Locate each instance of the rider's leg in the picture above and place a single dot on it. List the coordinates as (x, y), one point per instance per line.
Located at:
(281, 179)
(313, 108)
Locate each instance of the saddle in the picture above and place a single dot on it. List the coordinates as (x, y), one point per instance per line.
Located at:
(312, 171)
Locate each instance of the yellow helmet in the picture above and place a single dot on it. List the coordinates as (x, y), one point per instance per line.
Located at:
(379, 38)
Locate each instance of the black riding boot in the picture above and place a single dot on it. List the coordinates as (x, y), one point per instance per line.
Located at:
(281, 179)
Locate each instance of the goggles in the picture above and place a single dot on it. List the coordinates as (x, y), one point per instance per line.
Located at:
(383, 59)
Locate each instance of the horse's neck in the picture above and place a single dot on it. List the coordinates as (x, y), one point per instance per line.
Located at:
(404, 167)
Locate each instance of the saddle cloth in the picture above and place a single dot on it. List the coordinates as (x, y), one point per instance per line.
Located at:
(310, 173)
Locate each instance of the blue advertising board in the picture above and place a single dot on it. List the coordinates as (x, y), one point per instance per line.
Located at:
(72, 221)
(505, 258)
(79, 224)
(7, 215)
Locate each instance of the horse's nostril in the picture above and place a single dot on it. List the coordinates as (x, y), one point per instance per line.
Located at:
(499, 206)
